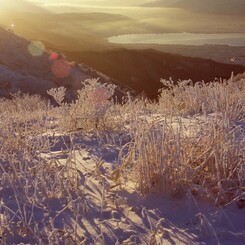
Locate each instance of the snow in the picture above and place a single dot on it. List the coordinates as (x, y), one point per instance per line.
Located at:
(122, 214)
(118, 214)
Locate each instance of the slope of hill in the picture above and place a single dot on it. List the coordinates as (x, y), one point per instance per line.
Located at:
(142, 69)
(26, 66)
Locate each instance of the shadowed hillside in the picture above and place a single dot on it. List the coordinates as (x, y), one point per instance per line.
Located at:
(142, 69)
(28, 67)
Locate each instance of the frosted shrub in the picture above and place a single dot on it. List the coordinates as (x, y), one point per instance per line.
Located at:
(206, 153)
(35, 190)
(228, 98)
(22, 117)
(93, 102)
(25, 103)
(163, 158)
(58, 94)
(48, 185)
(88, 110)
(173, 97)
(186, 98)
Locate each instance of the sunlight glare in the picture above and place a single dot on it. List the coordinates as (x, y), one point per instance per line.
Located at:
(36, 48)
(61, 68)
(53, 56)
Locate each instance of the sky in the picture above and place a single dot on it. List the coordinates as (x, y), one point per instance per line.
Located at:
(96, 3)
(73, 6)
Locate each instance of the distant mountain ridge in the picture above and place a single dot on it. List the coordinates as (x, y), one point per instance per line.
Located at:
(226, 7)
(160, 3)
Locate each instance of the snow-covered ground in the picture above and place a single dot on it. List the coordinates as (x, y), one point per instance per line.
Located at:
(102, 212)
(71, 192)
(120, 214)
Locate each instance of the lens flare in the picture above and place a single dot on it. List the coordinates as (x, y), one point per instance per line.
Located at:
(61, 68)
(99, 97)
(36, 48)
(53, 56)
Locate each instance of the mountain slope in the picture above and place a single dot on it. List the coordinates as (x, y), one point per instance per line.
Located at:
(26, 66)
(142, 69)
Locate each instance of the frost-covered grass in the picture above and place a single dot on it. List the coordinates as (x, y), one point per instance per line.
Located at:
(64, 169)
(197, 144)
